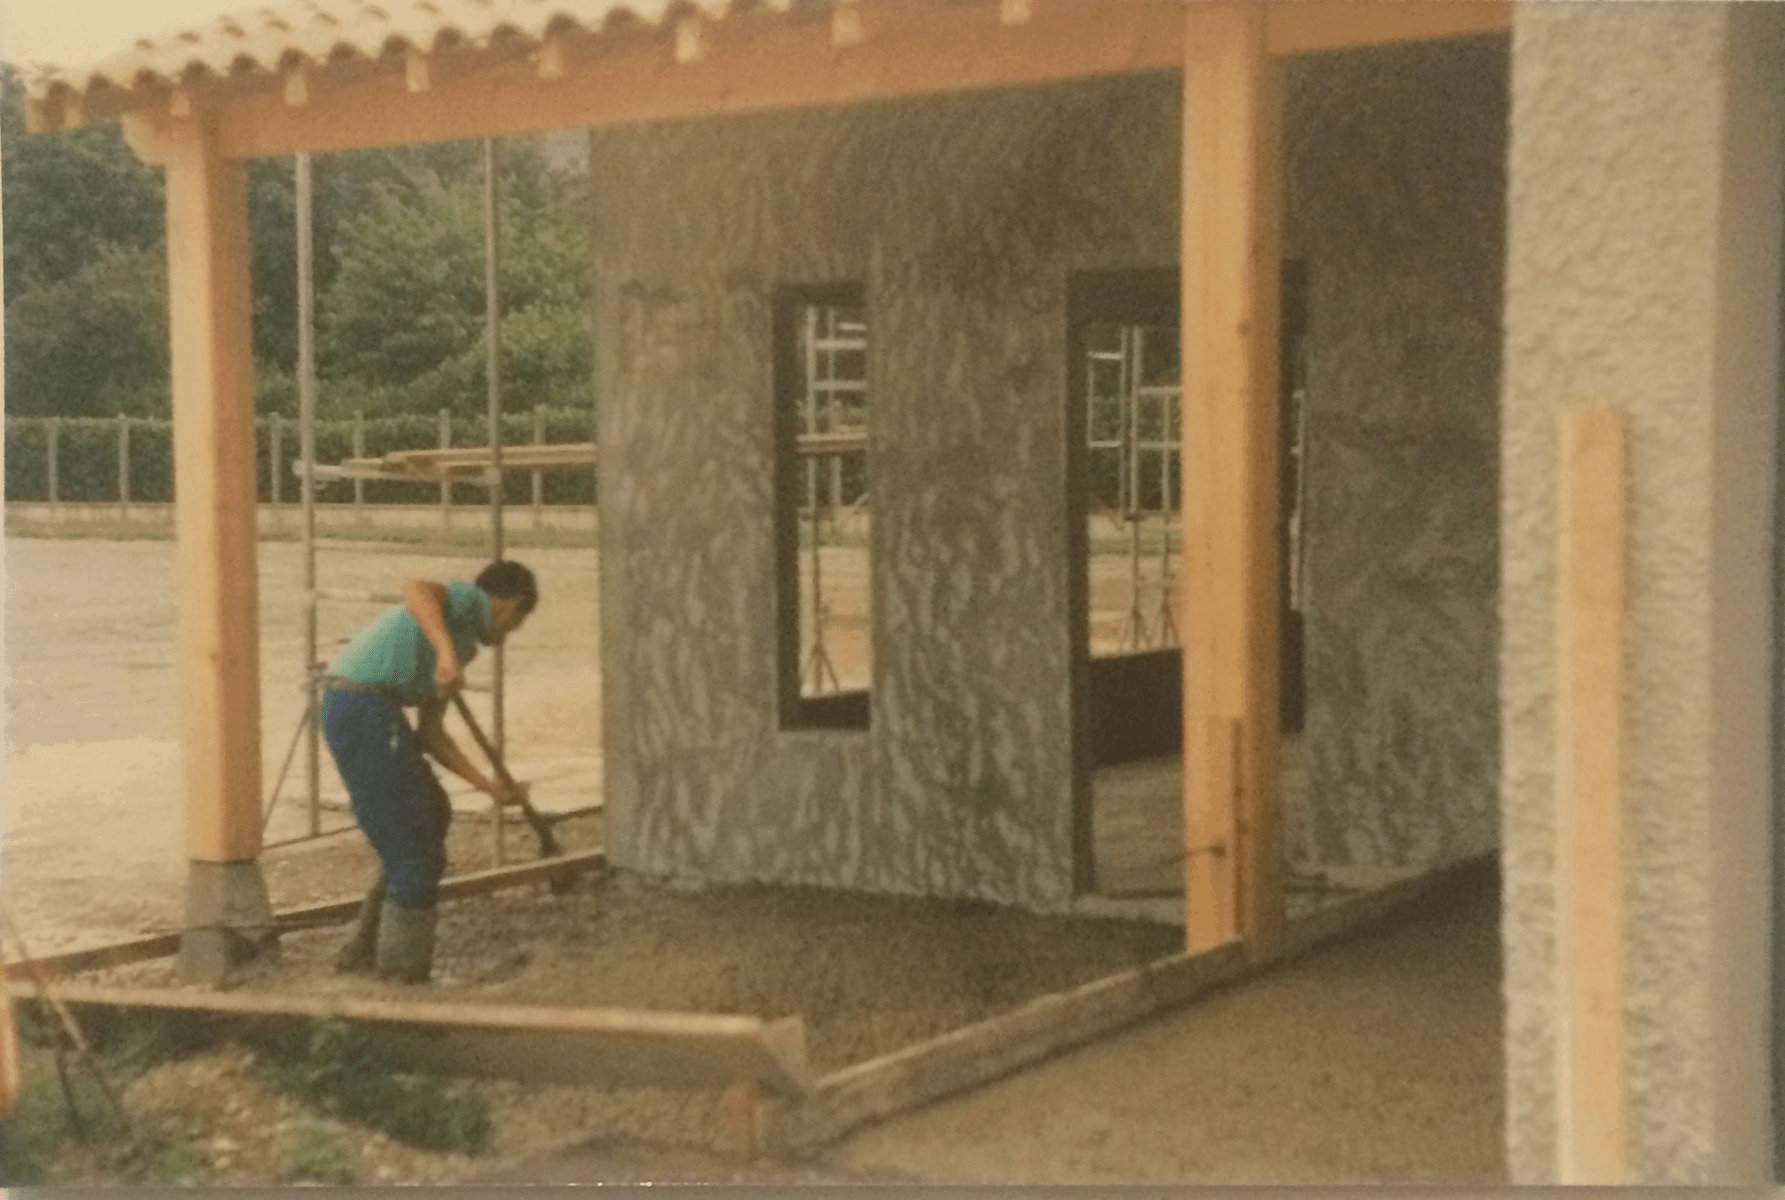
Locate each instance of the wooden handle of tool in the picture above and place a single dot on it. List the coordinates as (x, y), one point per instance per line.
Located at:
(489, 750)
(548, 841)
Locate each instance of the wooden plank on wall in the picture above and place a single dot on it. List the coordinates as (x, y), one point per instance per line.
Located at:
(1591, 1072)
(214, 505)
(1230, 283)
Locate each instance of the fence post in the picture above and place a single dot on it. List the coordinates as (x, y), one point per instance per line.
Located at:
(538, 476)
(445, 487)
(359, 451)
(123, 465)
(275, 440)
(52, 434)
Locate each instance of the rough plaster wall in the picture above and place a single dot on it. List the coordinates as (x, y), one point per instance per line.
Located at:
(962, 216)
(1617, 210)
(1396, 176)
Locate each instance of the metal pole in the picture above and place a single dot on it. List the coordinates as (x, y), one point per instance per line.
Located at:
(307, 448)
(52, 435)
(492, 319)
(123, 465)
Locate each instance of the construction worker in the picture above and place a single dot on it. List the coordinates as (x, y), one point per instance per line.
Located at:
(414, 653)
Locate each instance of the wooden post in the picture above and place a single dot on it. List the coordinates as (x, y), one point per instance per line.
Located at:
(52, 435)
(445, 487)
(539, 476)
(359, 451)
(123, 465)
(217, 590)
(1230, 282)
(275, 451)
(1592, 1092)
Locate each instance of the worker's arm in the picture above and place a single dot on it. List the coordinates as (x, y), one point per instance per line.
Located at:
(431, 731)
(426, 602)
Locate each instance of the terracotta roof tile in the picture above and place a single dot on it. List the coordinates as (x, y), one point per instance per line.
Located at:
(274, 36)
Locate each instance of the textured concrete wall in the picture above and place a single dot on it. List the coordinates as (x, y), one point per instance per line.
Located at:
(962, 216)
(1643, 272)
(1395, 168)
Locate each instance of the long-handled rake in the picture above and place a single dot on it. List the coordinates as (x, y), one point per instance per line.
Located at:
(542, 828)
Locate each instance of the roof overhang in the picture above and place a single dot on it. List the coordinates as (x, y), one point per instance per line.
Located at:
(320, 75)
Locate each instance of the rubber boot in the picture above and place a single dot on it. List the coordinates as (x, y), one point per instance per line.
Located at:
(361, 951)
(405, 943)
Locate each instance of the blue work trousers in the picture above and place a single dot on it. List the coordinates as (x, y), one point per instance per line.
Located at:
(397, 799)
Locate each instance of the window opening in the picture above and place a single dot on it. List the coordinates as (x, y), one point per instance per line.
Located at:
(823, 366)
(1134, 463)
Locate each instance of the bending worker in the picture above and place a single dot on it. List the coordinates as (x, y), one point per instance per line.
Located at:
(413, 654)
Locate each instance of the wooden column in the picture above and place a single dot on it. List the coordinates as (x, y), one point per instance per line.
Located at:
(1592, 1090)
(214, 494)
(1233, 852)
(213, 411)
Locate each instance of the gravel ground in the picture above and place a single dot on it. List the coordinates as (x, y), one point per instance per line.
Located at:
(1383, 1065)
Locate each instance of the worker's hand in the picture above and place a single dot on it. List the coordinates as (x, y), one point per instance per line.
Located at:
(449, 677)
(518, 793)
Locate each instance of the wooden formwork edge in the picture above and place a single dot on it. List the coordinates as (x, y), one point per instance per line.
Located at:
(964, 1058)
(160, 945)
(525, 1043)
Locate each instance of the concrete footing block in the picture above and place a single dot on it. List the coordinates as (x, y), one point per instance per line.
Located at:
(229, 920)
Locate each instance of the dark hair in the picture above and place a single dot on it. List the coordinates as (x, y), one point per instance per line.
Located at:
(505, 578)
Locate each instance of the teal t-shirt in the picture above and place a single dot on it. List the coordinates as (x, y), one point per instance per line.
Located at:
(392, 652)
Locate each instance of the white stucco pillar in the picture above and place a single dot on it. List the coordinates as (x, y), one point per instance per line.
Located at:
(1643, 273)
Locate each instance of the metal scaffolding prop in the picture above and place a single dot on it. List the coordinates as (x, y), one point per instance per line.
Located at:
(472, 465)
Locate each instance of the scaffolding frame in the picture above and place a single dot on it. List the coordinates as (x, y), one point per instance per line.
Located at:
(1138, 434)
(488, 471)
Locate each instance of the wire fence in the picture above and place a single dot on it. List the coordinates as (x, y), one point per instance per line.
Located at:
(130, 459)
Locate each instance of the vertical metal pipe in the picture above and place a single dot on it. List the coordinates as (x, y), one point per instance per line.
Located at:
(52, 436)
(492, 320)
(307, 449)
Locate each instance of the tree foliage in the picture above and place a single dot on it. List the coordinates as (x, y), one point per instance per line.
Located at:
(93, 344)
(405, 309)
(68, 195)
(399, 271)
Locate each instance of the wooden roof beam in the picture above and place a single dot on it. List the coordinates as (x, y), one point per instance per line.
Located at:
(747, 64)
(1309, 26)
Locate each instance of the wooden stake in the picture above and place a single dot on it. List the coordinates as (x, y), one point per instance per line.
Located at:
(1230, 280)
(1592, 1088)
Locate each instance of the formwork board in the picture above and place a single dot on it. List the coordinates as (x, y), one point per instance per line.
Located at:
(528, 1044)
(160, 945)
